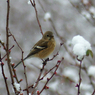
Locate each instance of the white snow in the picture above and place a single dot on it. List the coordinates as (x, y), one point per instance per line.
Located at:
(91, 71)
(10, 57)
(80, 46)
(85, 86)
(79, 50)
(86, 14)
(17, 86)
(54, 85)
(85, 1)
(29, 2)
(47, 16)
(71, 73)
(92, 10)
(88, 93)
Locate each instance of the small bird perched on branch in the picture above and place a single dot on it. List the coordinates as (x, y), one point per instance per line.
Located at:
(43, 48)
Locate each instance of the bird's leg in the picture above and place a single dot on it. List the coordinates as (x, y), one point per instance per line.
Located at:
(45, 61)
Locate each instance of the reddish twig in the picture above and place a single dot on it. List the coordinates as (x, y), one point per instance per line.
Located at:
(28, 88)
(34, 6)
(38, 79)
(93, 92)
(50, 70)
(56, 53)
(47, 73)
(16, 41)
(5, 78)
(7, 44)
(25, 76)
(6, 53)
(41, 70)
(22, 61)
(48, 79)
(14, 71)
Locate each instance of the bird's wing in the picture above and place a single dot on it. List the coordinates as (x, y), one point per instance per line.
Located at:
(40, 45)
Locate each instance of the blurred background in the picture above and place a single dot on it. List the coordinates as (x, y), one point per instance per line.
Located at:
(67, 19)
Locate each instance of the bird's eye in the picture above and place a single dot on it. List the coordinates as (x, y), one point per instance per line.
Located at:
(47, 35)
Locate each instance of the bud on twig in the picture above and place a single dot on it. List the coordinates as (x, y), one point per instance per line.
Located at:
(38, 93)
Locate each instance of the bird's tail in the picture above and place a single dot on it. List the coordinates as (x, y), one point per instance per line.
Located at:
(20, 62)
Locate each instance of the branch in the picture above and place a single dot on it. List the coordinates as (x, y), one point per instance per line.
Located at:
(7, 53)
(34, 6)
(93, 92)
(7, 43)
(48, 79)
(25, 77)
(36, 83)
(5, 78)
(22, 62)
(80, 79)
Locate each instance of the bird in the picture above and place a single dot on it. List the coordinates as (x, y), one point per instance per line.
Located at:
(43, 48)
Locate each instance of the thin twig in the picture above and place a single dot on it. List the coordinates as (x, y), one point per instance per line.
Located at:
(48, 79)
(15, 40)
(28, 88)
(93, 92)
(7, 43)
(41, 70)
(34, 6)
(25, 76)
(41, 6)
(56, 53)
(22, 62)
(5, 78)
(6, 53)
(49, 71)
(38, 79)
(15, 75)
(80, 79)
(44, 63)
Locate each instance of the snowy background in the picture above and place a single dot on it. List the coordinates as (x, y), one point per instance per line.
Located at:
(70, 18)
